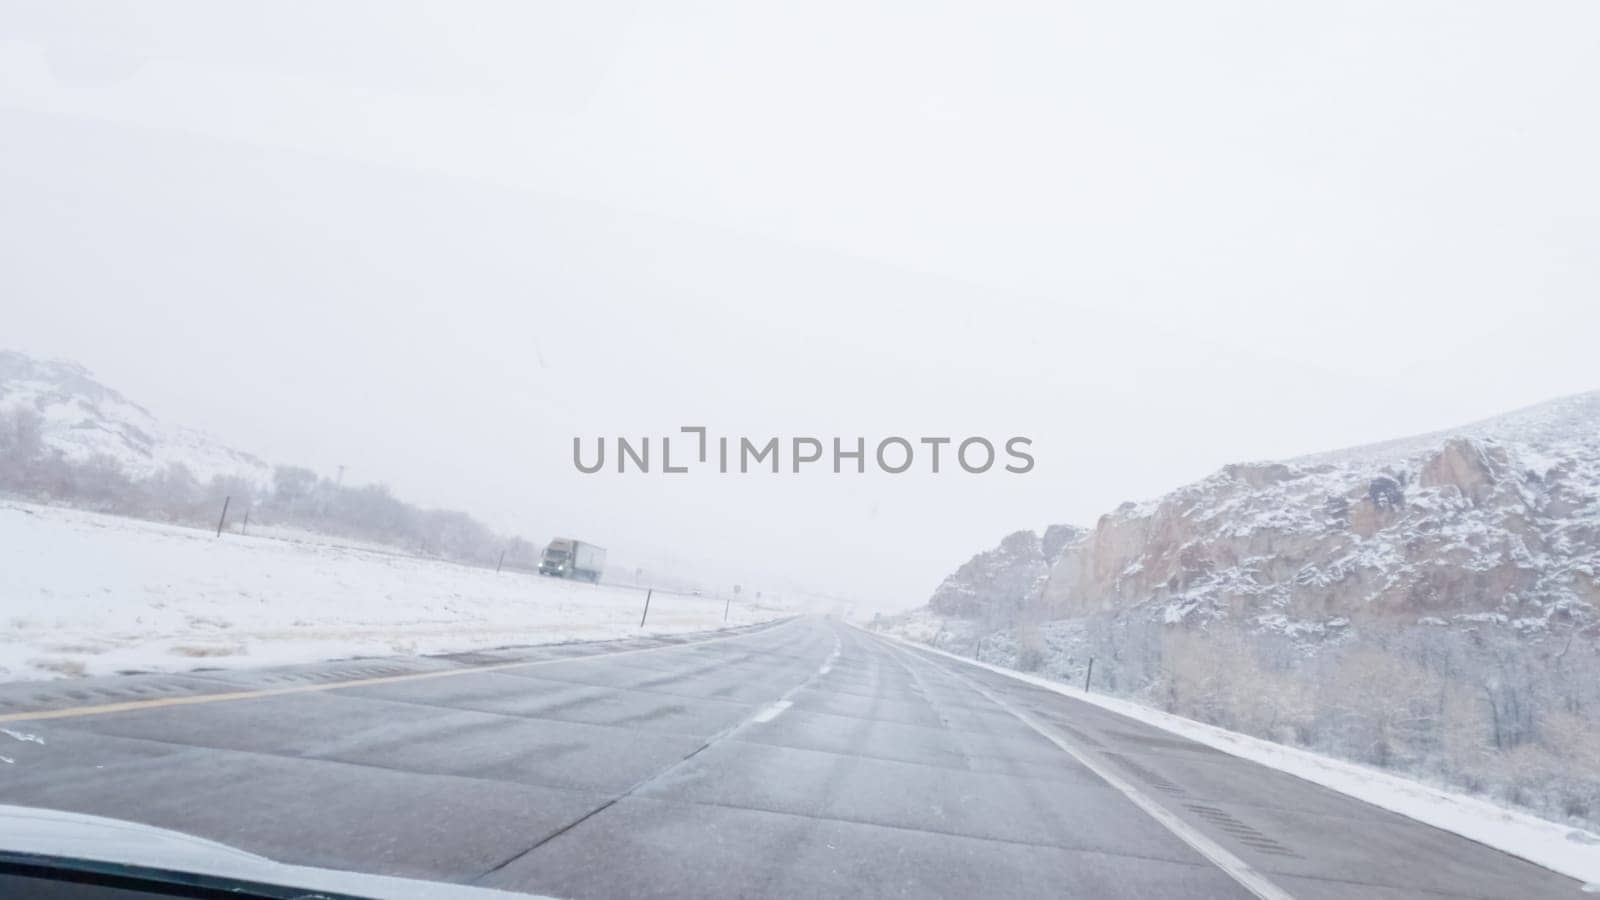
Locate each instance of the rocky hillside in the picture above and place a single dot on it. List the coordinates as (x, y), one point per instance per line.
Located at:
(81, 419)
(1005, 579)
(1430, 605)
(1498, 521)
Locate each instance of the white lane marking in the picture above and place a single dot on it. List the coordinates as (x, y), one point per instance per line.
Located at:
(1246, 875)
(827, 666)
(772, 712)
(22, 736)
(768, 713)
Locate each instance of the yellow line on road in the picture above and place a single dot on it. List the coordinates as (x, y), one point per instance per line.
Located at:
(133, 705)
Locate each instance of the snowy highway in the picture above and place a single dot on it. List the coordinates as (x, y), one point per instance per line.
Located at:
(804, 758)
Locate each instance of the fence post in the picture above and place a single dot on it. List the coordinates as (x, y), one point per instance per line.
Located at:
(725, 607)
(501, 562)
(1087, 675)
(224, 516)
(245, 528)
(646, 606)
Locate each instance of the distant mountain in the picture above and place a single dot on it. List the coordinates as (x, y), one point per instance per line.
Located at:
(69, 440)
(81, 419)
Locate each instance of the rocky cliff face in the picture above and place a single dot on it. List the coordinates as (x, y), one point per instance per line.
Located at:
(999, 583)
(1498, 521)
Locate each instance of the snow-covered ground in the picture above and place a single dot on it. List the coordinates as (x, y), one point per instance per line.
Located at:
(82, 593)
(1560, 848)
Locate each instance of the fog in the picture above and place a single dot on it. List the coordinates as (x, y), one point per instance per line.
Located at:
(434, 244)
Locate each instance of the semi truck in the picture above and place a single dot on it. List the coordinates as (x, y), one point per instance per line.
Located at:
(567, 558)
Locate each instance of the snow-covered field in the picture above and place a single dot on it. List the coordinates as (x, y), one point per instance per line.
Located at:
(82, 593)
(1570, 851)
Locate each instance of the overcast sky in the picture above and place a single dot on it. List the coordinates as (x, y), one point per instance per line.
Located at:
(433, 242)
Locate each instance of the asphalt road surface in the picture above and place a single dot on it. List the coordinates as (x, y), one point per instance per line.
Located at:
(802, 759)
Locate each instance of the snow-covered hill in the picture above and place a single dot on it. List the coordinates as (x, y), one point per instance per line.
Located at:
(81, 419)
(1496, 521)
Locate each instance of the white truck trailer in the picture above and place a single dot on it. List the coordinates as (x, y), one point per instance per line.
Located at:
(567, 558)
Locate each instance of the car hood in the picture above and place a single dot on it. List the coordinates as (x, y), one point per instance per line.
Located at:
(53, 833)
